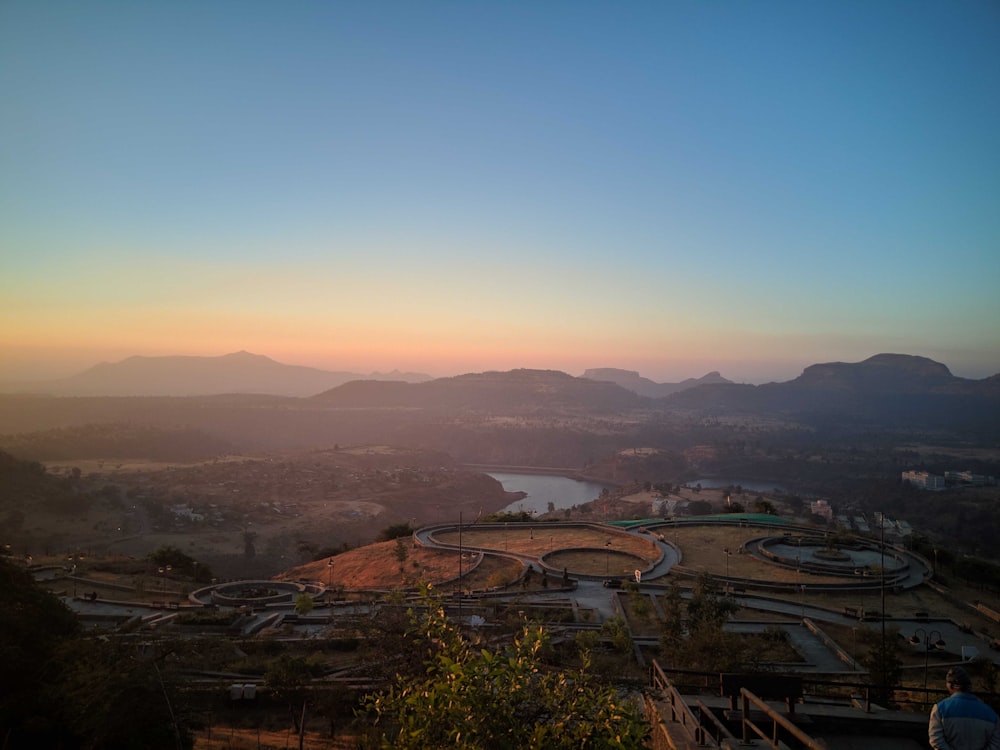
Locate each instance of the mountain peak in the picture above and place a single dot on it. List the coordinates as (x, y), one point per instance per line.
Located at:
(885, 372)
(631, 380)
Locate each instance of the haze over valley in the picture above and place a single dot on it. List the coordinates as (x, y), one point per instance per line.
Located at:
(301, 467)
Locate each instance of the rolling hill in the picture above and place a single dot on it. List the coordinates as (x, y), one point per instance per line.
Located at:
(240, 372)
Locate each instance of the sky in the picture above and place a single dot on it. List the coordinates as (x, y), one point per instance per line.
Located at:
(449, 187)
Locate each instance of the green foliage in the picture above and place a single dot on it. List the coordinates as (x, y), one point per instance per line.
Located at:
(304, 604)
(699, 507)
(74, 691)
(641, 607)
(181, 563)
(586, 641)
(32, 625)
(288, 679)
(509, 517)
(471, 696)
(396, 531)
(617, 631)
(693, 635)
(978, 572)
(760, 505)
(113, 695)
(400, 552)
(27, 483)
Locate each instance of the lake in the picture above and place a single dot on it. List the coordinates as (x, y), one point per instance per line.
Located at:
(543, 489)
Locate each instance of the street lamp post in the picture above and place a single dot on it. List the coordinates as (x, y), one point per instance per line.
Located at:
(929, 642)
(329, 583)
(854, 649)
(163, 570)
(727, 553)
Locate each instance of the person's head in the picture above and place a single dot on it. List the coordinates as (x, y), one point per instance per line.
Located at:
(957, 680)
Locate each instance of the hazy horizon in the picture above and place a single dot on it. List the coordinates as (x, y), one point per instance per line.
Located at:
(670, 188)
(782, 375)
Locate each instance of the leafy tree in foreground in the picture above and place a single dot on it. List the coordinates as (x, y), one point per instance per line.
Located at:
(32, 625)
(475, 697)
(62, 689)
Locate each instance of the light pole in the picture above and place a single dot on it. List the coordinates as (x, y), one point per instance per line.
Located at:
(727, 553)
(929, 643)
(329, 584)
(854, 649)
(72, 573)
(163, 570)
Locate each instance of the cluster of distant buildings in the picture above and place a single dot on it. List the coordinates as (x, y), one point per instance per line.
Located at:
(927, 481)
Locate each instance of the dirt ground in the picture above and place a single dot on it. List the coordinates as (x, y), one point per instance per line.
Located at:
(538, 540)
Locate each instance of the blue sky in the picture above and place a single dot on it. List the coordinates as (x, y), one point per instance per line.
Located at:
(669, 187)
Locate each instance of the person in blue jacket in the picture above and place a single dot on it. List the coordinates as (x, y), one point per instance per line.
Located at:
(962, 721)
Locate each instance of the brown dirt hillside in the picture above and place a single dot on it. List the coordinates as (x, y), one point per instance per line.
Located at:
(377, 566)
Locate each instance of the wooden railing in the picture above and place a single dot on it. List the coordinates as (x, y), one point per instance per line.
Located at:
(680, 712)
(779, 720)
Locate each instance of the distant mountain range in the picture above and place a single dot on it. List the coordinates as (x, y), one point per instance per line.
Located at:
(891, 386)
(889, 389)
(519, 417)
(634, 382)
(515, 391)
(240, 372)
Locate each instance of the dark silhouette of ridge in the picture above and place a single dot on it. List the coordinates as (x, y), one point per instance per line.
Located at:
(897, 389)
(644, 386)
(514, 391)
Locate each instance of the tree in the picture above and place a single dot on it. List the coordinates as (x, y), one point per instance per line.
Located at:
(693, 635)
(115, 695)
(395, 531)
(503, 697)
(73, 691)
(883, 663)
(760, 505)
(287, 677)
(181, 563)
(400, 553)
(32, 625)
(699, 507)
(249, 537)
(304, 604)
(617, 632)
